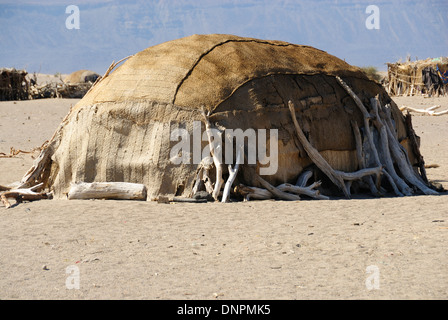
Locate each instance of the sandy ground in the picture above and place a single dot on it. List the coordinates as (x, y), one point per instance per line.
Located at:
(390, 248)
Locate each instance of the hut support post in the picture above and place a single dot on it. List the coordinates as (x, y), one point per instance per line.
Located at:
(107, 190)
(309, 191)
(386, 156)
(232, 175)
(360, 155)
(213, 150)
(303, 178)
(400, 156)
(337, 177)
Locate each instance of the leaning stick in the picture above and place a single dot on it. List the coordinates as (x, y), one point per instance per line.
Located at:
(213, 150)
(358, 143)
(308, 191)
(232, 175)
(361, 157)
(406, 169)
(369, 135)
(315, 156)
(202, 176)
(415, 147)
(207, 181)
(352, 176)
(303, 178)
(276, 192)
(388, 113)
(47, 149)
(198, 181)
(387, 158)
(402, 159)
(366, 116)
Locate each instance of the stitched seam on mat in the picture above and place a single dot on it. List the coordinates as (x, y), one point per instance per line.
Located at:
(218, 45)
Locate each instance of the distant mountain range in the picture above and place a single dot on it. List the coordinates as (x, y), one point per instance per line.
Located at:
(33, 34)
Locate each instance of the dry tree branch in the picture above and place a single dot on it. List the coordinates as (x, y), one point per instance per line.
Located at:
(15, 152)
(233, 171)
(214, 149)
(400, 156)
(315, 156)
(430, 111)
(23, 194)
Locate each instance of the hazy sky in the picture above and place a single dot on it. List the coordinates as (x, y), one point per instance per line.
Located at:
(34, 36)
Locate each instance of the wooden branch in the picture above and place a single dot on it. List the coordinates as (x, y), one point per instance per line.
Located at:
(393, 178)
(401, 158)
(33, 175)
(398, 184)
(416, 147)
(360, 155)
(202, 176)
(308, 191)
(207, 181)
(23, 194)
(388, 119)
(430, 111)
(14, 152)
(213, 149)
(107, 190)
(3, 188)
(303, 178)
(406, 169)
(276, 192)
(357, 175)
(366, 115)
(315, 156)
(355, 98)
(358, 142)
(198, 183)
(252, 193)
(232, 175)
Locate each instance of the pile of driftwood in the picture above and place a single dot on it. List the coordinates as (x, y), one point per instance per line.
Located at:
(59, 90)
(13, 84)
(429, 111)
(380, 156)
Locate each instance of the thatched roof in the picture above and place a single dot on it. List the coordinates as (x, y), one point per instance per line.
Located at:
(207, 69)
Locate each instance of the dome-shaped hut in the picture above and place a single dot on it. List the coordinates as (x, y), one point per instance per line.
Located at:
(327, 116)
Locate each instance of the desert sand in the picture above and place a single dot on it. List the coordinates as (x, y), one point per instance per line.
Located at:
(363, 248)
